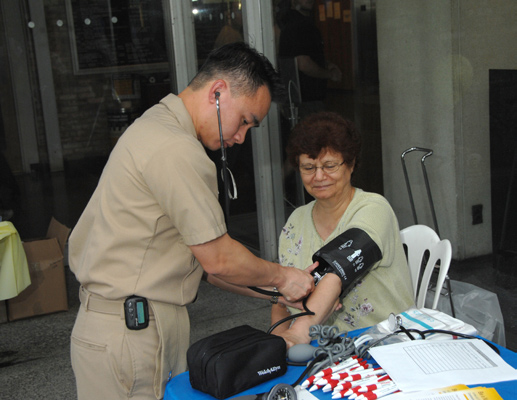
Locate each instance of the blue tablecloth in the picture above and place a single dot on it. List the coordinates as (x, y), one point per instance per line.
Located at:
(179, 387)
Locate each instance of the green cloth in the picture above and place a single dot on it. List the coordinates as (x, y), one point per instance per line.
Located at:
(386, 288)
(14, 270)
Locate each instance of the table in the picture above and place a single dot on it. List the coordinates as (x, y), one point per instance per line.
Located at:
(179, 387)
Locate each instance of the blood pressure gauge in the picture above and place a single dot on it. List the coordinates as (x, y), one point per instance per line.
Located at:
(281, 391)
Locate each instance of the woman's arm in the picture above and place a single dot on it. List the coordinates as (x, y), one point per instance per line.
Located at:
(279, 312)
(323, 302)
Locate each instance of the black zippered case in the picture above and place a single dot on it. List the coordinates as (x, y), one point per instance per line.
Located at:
(234, 360)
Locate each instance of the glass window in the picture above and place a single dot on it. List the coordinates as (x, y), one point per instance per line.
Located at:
(79, 73)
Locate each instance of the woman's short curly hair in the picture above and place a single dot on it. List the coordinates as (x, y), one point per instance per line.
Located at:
(324, 131)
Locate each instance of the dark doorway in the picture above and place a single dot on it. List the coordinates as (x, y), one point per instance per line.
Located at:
(503, 163)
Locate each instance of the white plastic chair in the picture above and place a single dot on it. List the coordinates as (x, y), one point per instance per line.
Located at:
(424, 246)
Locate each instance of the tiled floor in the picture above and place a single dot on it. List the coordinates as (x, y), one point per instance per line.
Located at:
(34, 353)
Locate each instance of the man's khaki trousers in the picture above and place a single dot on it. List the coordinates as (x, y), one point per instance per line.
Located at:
(113, 362)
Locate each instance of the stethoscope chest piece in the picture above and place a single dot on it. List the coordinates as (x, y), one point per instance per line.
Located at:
(394, 322)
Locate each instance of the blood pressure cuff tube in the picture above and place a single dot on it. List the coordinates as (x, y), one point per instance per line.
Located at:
(350, 256)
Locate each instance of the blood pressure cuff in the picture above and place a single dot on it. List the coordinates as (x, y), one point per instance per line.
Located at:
(350, 256)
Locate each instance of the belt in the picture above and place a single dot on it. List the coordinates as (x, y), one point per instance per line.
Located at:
(94, 302)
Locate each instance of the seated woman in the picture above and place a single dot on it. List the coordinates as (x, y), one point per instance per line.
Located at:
(325, 148)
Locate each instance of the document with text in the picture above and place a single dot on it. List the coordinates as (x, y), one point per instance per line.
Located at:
(456, 392)
(421, 365)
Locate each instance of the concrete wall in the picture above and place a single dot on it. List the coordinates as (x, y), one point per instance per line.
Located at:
(434, 61)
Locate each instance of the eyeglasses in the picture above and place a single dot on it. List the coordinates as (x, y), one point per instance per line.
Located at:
(328, 168)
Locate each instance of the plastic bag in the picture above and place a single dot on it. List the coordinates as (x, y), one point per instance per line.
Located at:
(14, 270)
(475, 306)
(421, 319)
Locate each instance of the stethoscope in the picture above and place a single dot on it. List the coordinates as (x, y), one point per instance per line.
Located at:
(225, 175)
(396, 327)
(225, 172)
(281, 391)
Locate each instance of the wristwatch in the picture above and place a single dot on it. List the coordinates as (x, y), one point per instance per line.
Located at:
(274, 300)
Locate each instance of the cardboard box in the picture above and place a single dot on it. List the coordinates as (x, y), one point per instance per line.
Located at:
(47, 291)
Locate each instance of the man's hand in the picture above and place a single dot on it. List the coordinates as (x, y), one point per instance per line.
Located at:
(312, 267)
(297, 284)
(298, 304)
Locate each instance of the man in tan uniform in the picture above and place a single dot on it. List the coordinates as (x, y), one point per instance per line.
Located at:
(154, 224)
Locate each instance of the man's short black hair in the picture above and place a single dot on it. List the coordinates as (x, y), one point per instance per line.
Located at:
(245, 69)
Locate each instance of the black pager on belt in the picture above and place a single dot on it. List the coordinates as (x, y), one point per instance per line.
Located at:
(136, 311)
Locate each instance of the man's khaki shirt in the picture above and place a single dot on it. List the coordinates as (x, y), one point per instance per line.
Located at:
(157, 195)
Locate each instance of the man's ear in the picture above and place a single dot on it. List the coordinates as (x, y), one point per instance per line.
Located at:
(217, 89)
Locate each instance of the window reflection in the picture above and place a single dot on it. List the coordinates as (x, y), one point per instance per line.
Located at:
(216, 23)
